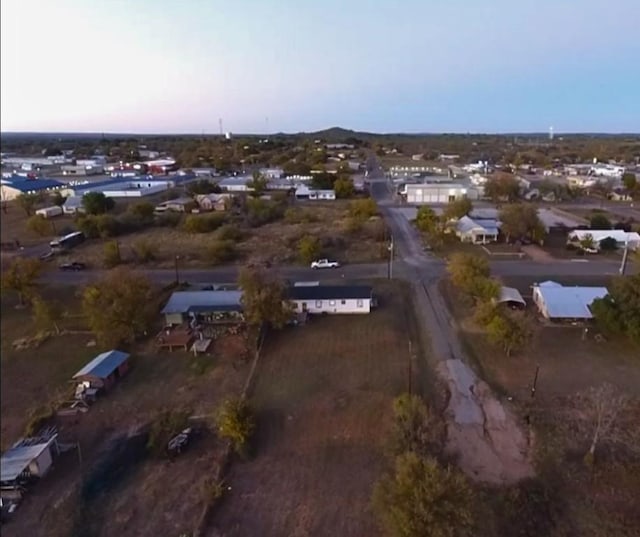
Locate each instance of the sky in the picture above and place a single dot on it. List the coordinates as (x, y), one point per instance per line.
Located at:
(265, 66)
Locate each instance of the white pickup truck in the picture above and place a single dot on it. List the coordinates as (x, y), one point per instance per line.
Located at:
(324, 263)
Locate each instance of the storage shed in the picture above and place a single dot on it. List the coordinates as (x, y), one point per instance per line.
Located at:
(104, 370)
(25, 461)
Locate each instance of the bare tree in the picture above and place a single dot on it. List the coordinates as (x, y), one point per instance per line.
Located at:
(603, 404)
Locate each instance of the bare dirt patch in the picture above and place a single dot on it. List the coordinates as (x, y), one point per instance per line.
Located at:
(323, 395)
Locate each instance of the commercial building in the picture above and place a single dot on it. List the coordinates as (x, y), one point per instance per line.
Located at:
(438, 192)
(11, 188)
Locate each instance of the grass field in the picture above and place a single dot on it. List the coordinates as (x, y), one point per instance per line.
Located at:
(602, 503)
(323, 397)
(156, 498)
(275, 242)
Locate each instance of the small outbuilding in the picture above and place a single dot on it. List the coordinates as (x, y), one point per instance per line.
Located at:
(512, 297)
(26, 460)
(103, 371)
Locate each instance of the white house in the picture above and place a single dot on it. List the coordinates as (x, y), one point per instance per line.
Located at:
(235, 184)
(214, 202)
(332, 298)
(303, 192)
(622, 238)
(555, 301)
(476, 231)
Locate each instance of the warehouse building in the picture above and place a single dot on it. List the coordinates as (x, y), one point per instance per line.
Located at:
(438, 192)
(14, 186)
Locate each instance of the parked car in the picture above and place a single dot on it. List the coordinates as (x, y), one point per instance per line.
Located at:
(73, 266)
(324, 263)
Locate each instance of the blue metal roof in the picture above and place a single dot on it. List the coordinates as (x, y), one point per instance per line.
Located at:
(104, 364)
(30, 185)
(203, 301)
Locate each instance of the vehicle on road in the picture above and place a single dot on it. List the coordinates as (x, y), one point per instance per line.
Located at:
(67, 242)
(73, 266)
(324, 263)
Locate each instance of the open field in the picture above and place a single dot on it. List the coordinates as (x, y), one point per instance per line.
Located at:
(323, 397)
(600, 503)
(155, 497)
(275, 241)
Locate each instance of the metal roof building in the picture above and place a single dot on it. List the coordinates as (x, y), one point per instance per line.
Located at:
(12, 187)
(558, 302)
(28, 460)
(103, 365)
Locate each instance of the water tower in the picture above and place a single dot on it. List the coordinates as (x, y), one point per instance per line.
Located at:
(551, 134)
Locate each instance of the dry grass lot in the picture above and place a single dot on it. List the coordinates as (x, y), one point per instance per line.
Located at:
(323, 397)
(276, 241)
(14, 226)
(156, 497)
(602, 504)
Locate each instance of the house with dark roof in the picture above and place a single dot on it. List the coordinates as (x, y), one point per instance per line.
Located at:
(103, 371)
(331, 298)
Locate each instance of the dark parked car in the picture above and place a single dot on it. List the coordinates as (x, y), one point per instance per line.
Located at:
(74, 266)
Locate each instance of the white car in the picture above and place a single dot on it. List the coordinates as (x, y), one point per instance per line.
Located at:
(324, 263)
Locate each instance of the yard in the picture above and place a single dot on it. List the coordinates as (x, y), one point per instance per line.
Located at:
(155, 498)
(568, 364)
(323, 398)
(276, 241)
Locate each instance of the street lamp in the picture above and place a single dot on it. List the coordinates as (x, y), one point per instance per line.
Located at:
(176, 267)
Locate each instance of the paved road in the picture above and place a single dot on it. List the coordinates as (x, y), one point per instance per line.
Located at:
(230, 274)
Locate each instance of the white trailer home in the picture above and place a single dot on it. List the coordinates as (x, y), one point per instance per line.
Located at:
(331, 298)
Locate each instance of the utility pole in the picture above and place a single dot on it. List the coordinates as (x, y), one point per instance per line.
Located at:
(177, 273)
(625, 254)
(390, 263)
(410, 369)
(535, 382)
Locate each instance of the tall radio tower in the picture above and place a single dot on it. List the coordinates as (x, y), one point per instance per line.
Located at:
(220, 124)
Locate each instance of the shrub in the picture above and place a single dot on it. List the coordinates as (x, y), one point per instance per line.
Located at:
(229, 232)
(202, 223)
(221, 251)
(608, 244)
(363, 209)
(309, 248)
(145, 250)
(88, 225)
(165, 425)
(235, 422)
(169, 219)
(107, 226)
(112, 256)
(142, 209)
(260, 212)
(39, 225)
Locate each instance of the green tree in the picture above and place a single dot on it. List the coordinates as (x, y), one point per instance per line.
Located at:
(46, 314)
(22, 277)
(363, 209)
(608, 244)
(619, 311)
(221, 251)
(466, 269)
(599, 221)
(119, 307)
(58, 199)
(629, 180)
(264, 298)
(234, 421)
(309, 248)
(502, 187)
(39, 225)
(508, 332)
(521, 221)
(143, 210)
(202, 223)
(458, 208)
(421, 498)
(258, 183)
(415, 427)
(111, 252)
(344, 187)
(587, 242)
(427, 220)
(27, 202)
(97, 203)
